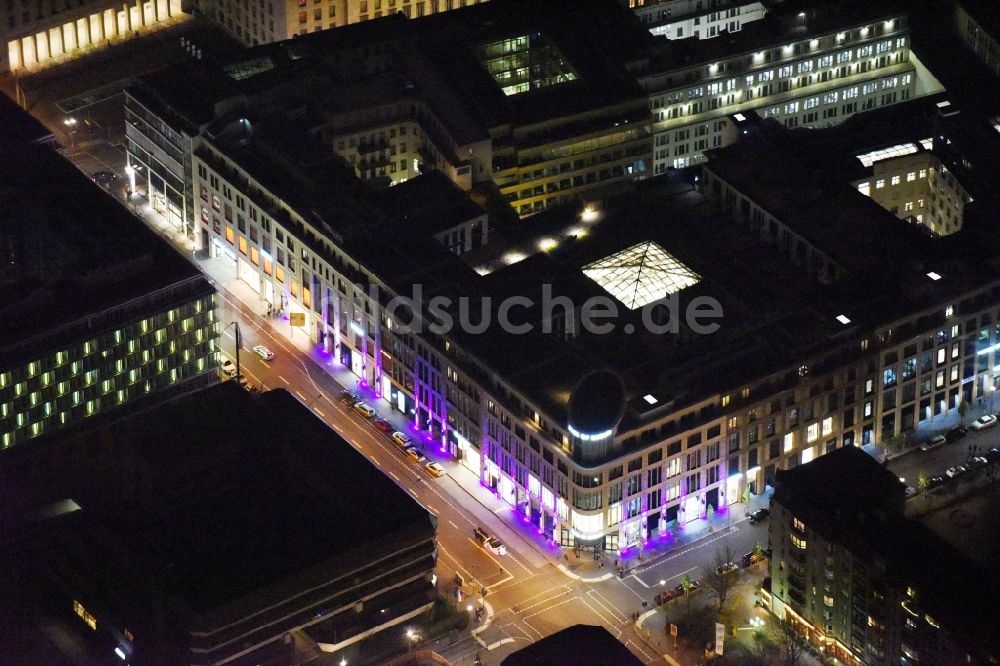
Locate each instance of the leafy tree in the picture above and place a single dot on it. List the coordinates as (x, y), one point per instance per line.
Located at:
(963, 409)
(923, 482)
(688, 586)
(746, 496)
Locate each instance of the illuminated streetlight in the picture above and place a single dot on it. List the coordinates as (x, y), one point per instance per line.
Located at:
(69, 122)
(663, 582)
(343, 661)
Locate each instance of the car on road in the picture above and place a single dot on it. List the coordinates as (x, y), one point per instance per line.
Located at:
(983, 422)
(364, 409)
(496, 546)
(751, 559)
(400, 439)
(955, 471)
(934, 482)
(105, 178)
(669, 595)
(956, 433)
(434, 469)
(229, 368)
(263, 352)
(349, 398)
(910, 492)
(381, 424)
(481, 535)
(933, 443)
(414, 455)
(759, 516)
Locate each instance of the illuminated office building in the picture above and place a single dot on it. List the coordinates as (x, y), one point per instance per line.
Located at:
(97, 312)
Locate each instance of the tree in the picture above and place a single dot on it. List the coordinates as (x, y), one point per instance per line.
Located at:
(963, 409)
(746, 496)
(894, 444)
(923, 482)
(688, 586)
(722, 576)
(788, 641)
(758, 553)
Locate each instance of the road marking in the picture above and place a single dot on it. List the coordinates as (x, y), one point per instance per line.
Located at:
(283, 379)
(298, 393)
(375, 460)
(393, 475)
(449, 522)
(320, 413)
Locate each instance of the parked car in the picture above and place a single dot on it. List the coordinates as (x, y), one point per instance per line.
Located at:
(955, 471)
(400, 439)
(956, 433)
(910, 492)
(993, 453)
(414, 455)
(381, 424)
(434, 469)
(669, 595)
(349, 398)
(977, 461)
(263, 352)
(727, 569)
(364, 409)
(481, 535)
(983, 422)
(759, 516)
(934, 482)
(751, 559)
(933, 443)
(229, 368)
(105, 178)
(496, 546)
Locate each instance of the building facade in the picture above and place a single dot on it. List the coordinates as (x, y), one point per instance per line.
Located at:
(37, 34)
(701, 19)
(977, 28)
(814, 82)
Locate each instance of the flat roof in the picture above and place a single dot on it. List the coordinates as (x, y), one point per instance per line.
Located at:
(70, 249)
(579, 645)
(275, 494)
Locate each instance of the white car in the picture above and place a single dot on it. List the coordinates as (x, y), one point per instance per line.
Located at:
(401, 440)
(229, 368)
(264, 352)
(983, 422)
(496, 546)
(958, 470)
(933, 443)
(365, 410)
(434, 469)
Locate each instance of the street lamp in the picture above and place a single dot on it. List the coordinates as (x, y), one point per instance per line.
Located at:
(239, 343)
(343, 661)
(70, 123)
(412, 636)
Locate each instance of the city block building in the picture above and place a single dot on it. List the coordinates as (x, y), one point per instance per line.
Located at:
(97, 312)
(977, 26)
(142, 541)
(805, 65)
(864, 583)
(701, 19)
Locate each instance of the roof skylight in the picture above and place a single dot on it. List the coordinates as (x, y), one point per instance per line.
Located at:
(641, 274)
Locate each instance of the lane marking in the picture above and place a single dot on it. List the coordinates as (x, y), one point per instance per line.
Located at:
(393, 475)
(283, 379)
(449, 522)
(320, 413)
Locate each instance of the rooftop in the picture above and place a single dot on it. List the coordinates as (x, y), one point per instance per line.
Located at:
(69, 249)
(579, 645)
(262, 505)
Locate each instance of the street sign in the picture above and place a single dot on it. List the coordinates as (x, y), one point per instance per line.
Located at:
(297, 318)
(673, 630)
(720, 637)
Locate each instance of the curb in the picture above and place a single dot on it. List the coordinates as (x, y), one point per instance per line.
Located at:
(570, 574)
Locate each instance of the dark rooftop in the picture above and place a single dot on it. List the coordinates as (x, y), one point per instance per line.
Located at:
(212, 524)
(579, 645)
(69, 249)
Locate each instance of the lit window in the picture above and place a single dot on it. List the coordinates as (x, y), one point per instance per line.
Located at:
(725, 401)
(880, 183)
(789, 442)
(911, 176)
(812, 432)
(949, 311)
(84, 615)
(828, 425)
(895, 180)
(798, 542)
(908, 206)
(641, 274)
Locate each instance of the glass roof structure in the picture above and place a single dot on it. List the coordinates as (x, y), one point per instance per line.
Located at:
(641, 274)
(871, 158)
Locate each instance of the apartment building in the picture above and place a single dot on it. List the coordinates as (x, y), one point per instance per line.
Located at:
(977, 26)
(865, 584)
(183, 553)
(96, 316)
(806, 69)
(37, 34)
(701, 19)
(265, 21)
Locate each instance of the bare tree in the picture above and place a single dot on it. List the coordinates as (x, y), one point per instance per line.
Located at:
(722, 576)
(788, 641)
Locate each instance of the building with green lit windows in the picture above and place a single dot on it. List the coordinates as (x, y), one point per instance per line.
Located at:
(96, 311)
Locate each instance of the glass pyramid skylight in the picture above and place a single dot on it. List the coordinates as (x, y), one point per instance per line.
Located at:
(641, 274)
